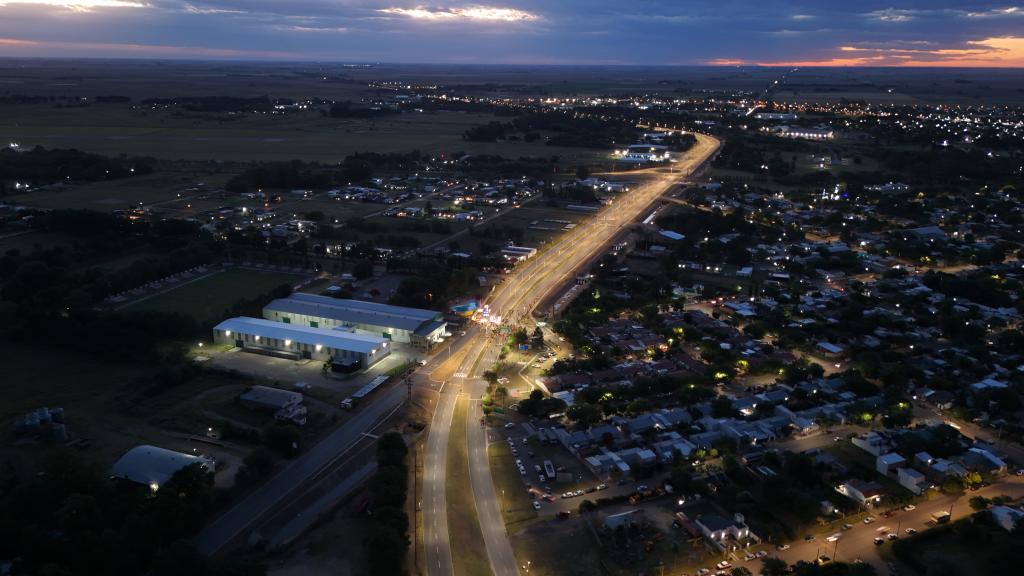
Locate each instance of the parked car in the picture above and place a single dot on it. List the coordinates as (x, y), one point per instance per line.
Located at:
(879, 541)
(510, 425)
(536, 505)
(781, 547)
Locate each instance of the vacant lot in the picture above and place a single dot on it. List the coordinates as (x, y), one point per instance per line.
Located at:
(207, 298)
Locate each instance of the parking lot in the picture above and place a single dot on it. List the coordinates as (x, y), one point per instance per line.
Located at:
(333, 386)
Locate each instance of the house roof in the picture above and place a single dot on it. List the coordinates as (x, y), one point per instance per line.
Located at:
(303, 334)
(714, 522)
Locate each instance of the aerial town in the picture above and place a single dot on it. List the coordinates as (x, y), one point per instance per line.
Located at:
(274, 318)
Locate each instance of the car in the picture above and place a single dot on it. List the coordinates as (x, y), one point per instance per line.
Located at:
(519, 462)
(723, 565)
(761, 553)
(823, 559)
(911, 531)
(602, 487)
(809, 537)
(869, 519)
(525, 440)
(536, 505)
(833, 537)
(879, 541)
(846, 527)
(837, 439)
(909, 507)
(537, 468)
(522, 471)
(893, 536)
(748, 557)
(703, 572)
(549, 497)
(515, 452)
(882, 529)
(782, 547)
(641, 488)
(510, 425)
(563, 513)
(542, 477)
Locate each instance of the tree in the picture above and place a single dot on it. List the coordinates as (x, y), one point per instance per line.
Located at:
(584, 414)
(772, 566)
(740, 571)
(978, 502)
(362, 270)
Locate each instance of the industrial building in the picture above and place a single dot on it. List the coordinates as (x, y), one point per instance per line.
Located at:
(421, 328)
(302, 341)
(153, 466)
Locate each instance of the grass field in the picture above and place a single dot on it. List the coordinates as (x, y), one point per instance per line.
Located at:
(109, 403)
(516, 505)
(470, 552)
(153, 190)
(115, 130)
(207, 298)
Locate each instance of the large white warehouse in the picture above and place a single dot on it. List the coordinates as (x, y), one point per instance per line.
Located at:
(415, 326)
(298, 341)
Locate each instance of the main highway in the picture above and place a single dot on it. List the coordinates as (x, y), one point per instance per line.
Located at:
(513, 300)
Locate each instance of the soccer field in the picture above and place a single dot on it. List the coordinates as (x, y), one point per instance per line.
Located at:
(208, 297)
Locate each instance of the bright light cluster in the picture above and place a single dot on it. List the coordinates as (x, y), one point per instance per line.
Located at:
(465, 13)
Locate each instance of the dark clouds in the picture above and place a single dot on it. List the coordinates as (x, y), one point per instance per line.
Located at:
(523, 31)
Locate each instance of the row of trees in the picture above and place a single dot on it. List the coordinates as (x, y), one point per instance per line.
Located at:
(386, 541)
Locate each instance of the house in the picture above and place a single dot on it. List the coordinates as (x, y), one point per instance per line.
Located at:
(830, 349)
(912, 480)
(941, 399)
(886, 464)
(872, 443)
(1006, 517)
(726, 533)
(865, 493)
(983, 461)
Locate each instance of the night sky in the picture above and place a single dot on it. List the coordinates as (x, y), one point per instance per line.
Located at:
(799, 32)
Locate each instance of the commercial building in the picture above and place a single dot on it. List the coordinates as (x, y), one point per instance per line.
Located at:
(726, 533)
(154, 466)
(299, 341)
(421, 328)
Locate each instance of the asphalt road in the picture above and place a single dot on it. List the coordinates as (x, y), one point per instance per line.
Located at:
(515, 298)
(286, 482)
(437, 548)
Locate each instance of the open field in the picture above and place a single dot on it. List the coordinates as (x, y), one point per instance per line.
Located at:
(115, 129)
(113, 405)
(463, 523)
(206, 298)
(158, 189)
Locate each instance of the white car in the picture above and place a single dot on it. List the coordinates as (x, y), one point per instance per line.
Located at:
(782, 547)
(723, 565)
(761, 553)
(536, 505)
(510, 425)
(909, 507)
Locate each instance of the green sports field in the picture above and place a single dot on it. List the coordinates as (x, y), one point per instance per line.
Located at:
(208, 297)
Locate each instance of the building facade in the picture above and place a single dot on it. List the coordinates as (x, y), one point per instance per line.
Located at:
(302, 342)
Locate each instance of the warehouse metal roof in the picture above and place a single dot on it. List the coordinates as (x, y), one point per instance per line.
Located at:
(153, 466)
(353, 311)
(303, 334)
